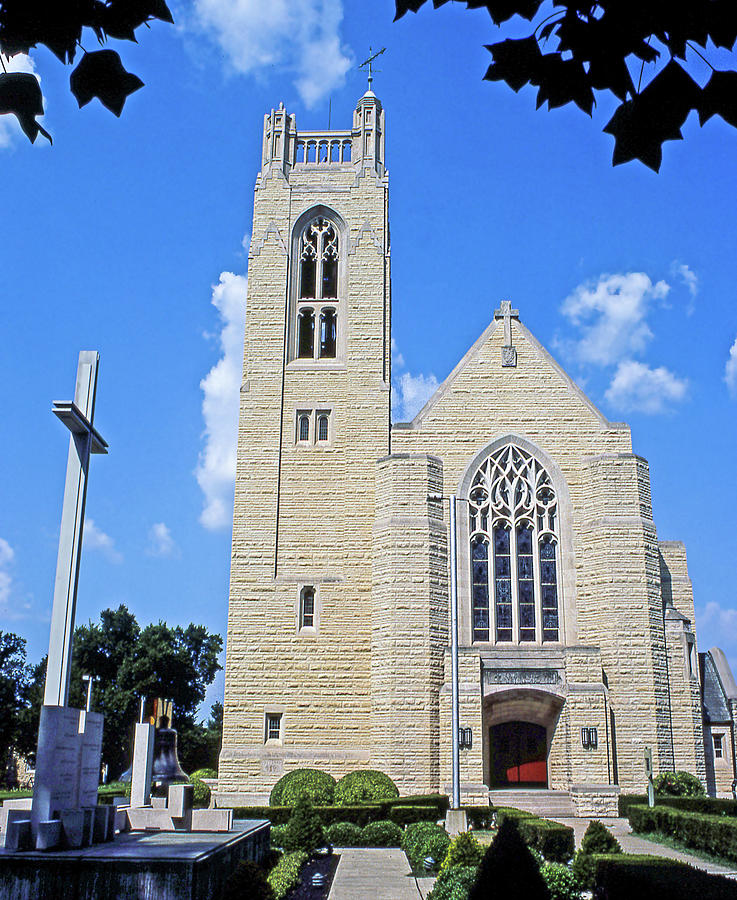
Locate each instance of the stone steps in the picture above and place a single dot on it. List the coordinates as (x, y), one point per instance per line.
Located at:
(540, 802)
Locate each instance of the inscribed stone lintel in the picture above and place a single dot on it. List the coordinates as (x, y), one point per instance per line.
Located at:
(521, 676)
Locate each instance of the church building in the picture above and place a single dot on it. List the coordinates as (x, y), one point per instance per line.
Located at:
(576, 624)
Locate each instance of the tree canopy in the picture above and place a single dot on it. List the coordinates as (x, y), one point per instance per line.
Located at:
(130, 662)
(59, 25)
(638, 50)
(15, 676)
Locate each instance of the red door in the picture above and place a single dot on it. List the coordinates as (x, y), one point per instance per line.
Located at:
(519, 752)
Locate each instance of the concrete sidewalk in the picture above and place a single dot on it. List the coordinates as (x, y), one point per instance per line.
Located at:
(376, 874)
(633, 843)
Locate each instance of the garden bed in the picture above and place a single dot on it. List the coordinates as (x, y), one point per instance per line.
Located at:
(304, 890)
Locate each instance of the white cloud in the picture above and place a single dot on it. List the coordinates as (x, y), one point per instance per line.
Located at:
(93, 538)
(397, 358)
(221, 387)
(691, 280)
(410, 393)
(717, 625)
(636, 387)
(10, 130)
(730, 370)
(610, 315)
(160, 541)
(301, 37)
(6, 581)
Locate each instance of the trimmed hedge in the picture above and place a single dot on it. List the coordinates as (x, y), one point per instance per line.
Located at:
(625, 876)
(709, 805)
(317, 786)
(479, 816)
(406, 815)
(714, 834)
(364, 786)
(453, 884)
(553, 840)
(425, 839)
(285, 874)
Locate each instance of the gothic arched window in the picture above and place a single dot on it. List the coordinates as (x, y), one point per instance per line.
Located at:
(513, 530)
(318, 257)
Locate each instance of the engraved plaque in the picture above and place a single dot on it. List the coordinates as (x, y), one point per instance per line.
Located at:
(272, 766)
(509, 356)
(521, 676)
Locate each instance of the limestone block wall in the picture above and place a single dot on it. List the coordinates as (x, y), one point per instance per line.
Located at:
(621, 610)
(470, 715)
(586, 707)
(409, 621)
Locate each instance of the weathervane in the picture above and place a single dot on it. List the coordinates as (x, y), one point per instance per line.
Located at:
(367, 62)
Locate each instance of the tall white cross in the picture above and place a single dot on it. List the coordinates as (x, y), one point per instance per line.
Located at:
(78, 415)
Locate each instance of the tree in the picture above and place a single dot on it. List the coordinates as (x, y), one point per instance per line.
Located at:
(605, 45)
(14, 678)
(59, 25)
(131, 663)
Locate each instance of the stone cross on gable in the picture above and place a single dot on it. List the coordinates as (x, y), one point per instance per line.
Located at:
(505, 311)
(78, 415)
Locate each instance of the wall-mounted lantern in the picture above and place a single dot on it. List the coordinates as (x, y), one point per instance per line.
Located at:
(589, 738)
(465, 738)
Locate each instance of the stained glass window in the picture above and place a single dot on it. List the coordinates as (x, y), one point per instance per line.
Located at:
(513, 510)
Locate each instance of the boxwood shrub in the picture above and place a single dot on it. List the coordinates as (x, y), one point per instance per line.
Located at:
(715, 834)
(425, 839)
(362, 786)
(625, 876)
(679, 784)
(381, 834)
(317, 786)
(285, 874)
(553, 840)
(277, 835)
(344, 834)
(453, 884)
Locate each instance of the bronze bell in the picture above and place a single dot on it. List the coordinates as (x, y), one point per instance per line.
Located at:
(166, 768)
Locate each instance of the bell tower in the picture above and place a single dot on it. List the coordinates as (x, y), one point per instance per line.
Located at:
(314, 418)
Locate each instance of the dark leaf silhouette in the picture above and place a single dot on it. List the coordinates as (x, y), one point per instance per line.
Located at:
(719, 98)
(20, 94)
(515, 61)
(630, 48)
(101, 74)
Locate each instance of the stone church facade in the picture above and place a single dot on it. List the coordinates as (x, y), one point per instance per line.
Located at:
(576, 624)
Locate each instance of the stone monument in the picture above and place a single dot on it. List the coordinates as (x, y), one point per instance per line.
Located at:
(64, 808)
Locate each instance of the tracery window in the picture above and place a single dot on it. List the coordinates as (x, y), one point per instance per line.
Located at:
(319, 255)
(513, 529)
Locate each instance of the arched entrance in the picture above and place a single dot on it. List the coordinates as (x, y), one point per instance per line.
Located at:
(518, 754)
(519, 726)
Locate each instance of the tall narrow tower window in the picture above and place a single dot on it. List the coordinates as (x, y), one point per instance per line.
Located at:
(322, 427)
(318, 276)
(513, 509)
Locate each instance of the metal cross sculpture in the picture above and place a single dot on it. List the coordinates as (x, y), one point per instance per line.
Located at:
(78, 415)
(368, 62)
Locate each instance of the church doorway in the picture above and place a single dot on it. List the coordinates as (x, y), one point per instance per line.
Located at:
(518, 753)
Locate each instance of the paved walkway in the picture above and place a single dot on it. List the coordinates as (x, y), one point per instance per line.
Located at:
(633, 843)
(376, 874)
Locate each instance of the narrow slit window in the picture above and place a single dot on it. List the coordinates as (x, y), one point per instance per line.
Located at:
(306, 336)
(322, 427)
(273, 727)
(718, 746)
(327, 334)
(307, 612)
(303, 428)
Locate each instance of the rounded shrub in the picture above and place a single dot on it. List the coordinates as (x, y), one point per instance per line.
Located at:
(277, 835)
(598, 839)
(560, 881)
(435, 845)
(201, 793)
(413, 837)
(679, 784)
(343, 834)
(453, 883)
(381, 834)
(364, 786)
(204, 773)
(464, 850)
(304, 830)
(317, 786)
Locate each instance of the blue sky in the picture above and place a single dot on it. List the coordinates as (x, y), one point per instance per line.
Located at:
(129, 236)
